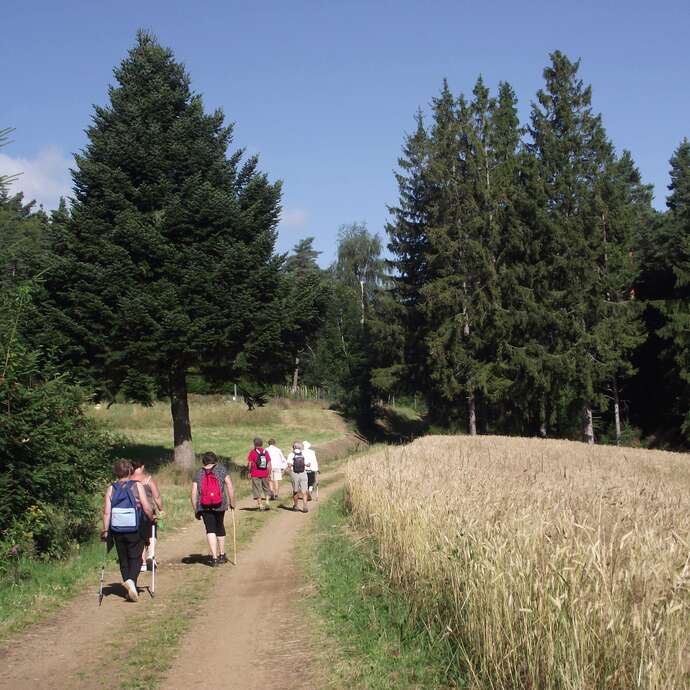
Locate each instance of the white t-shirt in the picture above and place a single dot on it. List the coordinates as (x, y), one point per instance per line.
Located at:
(278, 461)
(310, 460)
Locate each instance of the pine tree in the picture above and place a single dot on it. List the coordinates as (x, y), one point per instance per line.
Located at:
(572, 155)
(167, 261)
(675, 259)
(408, 243)
(306, 296)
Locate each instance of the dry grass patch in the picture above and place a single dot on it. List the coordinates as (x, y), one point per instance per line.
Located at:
(548, 564)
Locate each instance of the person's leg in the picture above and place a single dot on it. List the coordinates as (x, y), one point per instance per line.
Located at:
(265, 491)
(135, 548)
(220, 534)
(256, 491)
(209, 518)
(122, 560)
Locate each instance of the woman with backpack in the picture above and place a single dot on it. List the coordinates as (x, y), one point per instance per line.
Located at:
(140, 474)
(125, 502)
(212, 495)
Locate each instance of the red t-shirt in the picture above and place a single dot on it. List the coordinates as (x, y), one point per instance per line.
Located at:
(251, 458)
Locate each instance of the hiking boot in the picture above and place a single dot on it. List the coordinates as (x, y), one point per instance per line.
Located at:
(222, 559)
(266, 506)
(131, 588)
(213, 562)
(305, 509)
(143, 568)
(149, 564)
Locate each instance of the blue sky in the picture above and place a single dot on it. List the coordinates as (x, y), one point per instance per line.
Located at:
(324, 91)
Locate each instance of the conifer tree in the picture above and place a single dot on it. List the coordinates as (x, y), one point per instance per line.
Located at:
(167, 261)
(572, 154)
(675, 260)
(408, 243)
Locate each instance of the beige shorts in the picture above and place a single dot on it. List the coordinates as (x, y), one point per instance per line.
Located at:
(299, 482)
(276, 475)
(260, 487)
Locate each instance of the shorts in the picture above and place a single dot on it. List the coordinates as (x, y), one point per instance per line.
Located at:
(213, 522)
(299, 482)
(311, 479)
(276, 475)
(260, 487)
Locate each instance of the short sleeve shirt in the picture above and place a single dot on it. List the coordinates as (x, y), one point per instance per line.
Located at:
(251, 459)
(221, 473)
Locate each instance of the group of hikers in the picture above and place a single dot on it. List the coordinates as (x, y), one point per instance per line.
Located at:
(133, 504)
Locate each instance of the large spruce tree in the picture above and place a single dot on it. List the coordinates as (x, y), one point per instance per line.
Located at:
(674, 260)
(167, 259)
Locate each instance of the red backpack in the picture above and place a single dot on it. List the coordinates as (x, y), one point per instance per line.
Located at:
(211, 490)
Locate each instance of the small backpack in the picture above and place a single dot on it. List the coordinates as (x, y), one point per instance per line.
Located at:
(298, 463)
(211, 490)
(261, 461)
(125, 511)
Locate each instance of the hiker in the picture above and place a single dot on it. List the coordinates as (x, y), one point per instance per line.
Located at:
(312, 467)
(140, 475)
(278, 464)
(125, 501)
(259, 467)
(212, 495)
(298, 470)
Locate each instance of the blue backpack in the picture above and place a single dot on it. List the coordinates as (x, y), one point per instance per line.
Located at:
(125, 511)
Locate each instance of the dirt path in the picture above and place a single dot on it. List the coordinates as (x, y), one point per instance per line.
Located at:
(76, 649)
(262, 641)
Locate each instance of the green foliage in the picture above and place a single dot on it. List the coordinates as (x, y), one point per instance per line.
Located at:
(53, 459)
(166, 260)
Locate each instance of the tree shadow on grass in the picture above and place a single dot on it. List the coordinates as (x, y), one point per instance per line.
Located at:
(156, 456)
(393, 426)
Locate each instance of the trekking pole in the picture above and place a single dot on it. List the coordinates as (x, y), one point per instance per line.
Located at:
(100, 588)
(234, 539)
(152, 590)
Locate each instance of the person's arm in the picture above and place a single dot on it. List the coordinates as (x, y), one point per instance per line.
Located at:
(106, 512)
(193, 496)
(231, 491)
(156, 494)
(249, 464)
(268, 462)
(288, 462)
(144, 500)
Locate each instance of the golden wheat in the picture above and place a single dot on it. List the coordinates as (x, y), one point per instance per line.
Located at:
(545, 564)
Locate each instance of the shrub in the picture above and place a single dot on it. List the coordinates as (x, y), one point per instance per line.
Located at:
(53, 460)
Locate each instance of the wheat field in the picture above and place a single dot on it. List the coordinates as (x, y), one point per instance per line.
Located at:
(541, 564)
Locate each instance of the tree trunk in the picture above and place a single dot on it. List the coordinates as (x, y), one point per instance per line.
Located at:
(472, 405)
(588, 431)
(361, 287)
(617, 412)
(295, 376)
(542, 420)
(182, 429)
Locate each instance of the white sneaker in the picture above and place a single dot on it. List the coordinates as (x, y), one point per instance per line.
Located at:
(143, 568)
(132, 593)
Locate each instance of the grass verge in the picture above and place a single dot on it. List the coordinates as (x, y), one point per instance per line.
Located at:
(372, 645)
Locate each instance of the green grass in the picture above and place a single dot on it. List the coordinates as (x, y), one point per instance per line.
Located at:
(371, 642)
(146, 433)
(219, 425)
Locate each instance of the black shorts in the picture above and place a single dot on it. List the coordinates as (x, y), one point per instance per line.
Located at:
(311, 479)
(213, 522)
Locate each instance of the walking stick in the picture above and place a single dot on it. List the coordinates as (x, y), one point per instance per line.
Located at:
(100, 588)
(152, 590)
(234, 539)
